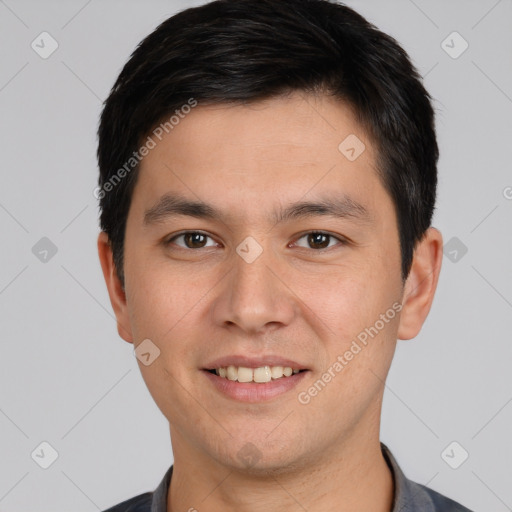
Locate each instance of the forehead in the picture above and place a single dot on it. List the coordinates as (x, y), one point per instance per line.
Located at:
(248, 157)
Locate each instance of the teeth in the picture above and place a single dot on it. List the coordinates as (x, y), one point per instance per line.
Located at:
(245, 374)
(261, 374)
(276, 371)
(232, 373)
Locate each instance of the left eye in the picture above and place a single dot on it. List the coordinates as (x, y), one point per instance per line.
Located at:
(192, 240)
(317, 240)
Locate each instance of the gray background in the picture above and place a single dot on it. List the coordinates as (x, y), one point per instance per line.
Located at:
(68, 379)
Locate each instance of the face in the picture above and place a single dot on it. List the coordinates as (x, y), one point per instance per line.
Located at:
(253, 242)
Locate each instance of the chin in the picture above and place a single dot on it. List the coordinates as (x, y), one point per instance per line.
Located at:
(262, 459)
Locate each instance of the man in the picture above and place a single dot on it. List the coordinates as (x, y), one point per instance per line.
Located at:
(267, 184)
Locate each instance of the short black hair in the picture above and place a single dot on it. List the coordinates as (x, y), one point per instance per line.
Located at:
(241, 51)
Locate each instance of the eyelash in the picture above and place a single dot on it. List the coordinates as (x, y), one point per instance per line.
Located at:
(342, 241)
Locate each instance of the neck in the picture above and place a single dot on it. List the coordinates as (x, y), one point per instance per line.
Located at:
(351, 478)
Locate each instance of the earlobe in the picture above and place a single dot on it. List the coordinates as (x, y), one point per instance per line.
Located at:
(421, 284)
(115, 290)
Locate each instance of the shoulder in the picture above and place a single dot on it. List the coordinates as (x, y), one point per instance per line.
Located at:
(155, 501)
(441, 503)
(411, 496)
(140, 503)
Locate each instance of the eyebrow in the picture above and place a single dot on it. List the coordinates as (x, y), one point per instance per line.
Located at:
(171, 205)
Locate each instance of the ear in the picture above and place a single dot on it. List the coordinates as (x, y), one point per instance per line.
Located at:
(115, 289)
(421, 284)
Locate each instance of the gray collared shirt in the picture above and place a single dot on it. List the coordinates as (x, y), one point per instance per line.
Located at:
(409, 496)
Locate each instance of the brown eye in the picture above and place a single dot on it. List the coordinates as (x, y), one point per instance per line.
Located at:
(192, 240)
(318, 240)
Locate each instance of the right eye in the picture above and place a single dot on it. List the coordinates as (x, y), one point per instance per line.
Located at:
(191, 240)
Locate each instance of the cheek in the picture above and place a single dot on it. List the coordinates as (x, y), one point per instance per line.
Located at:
(347, 304)
(162, 300)
(340, 301)
(164, 308)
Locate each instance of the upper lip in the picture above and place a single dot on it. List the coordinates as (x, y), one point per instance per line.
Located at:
(253, 362)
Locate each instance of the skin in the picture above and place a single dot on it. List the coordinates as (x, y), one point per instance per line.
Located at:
(295, 300)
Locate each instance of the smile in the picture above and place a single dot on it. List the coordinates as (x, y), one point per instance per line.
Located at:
(260, 375)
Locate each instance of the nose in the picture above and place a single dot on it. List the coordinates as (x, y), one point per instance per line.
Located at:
(255, 297)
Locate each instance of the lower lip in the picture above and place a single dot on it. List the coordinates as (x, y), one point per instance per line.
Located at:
(254, 391)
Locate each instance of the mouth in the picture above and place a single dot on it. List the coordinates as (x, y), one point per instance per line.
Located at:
(259, 375)
(254, 379)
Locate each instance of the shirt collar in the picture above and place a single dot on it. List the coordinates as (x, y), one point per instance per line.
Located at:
(408, 495)
(159, 501)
